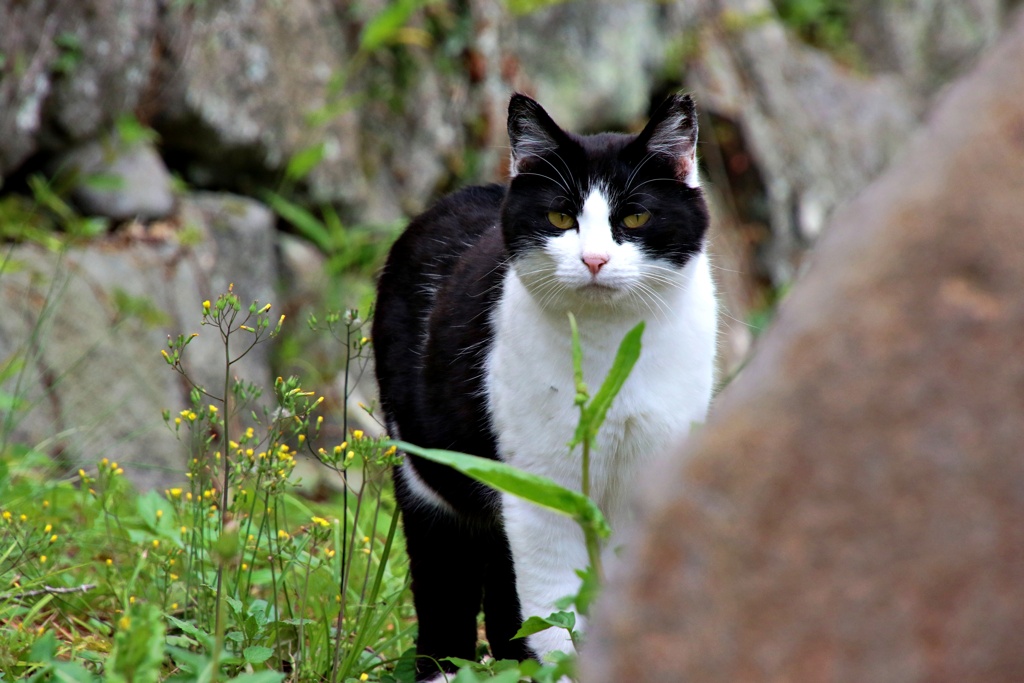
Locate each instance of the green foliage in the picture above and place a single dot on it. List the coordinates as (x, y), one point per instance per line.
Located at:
(69, 53)
(822, 23)
(46, 217)
(229, 576)
(532, 487)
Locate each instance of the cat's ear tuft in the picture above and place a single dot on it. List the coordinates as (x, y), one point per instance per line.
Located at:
(531, 131)
(672, 133)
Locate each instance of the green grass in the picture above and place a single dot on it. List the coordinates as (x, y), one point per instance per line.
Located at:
(230, 575)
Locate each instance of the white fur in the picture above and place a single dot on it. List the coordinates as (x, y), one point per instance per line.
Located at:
(530, 386)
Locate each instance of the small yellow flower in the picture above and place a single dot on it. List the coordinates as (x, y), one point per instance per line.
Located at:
(156, 543)
(42, 559)
(104, 462)
(328, 552)
(366, 539)
(124, 623)
(350, 455)
(81, 473)
(206, 307)
(283, 535)
(174, 605)
(184, 529)
(48, 528)
(109, 562)
(174, 577)
(6, 515)
(213, 408)
(357, 434)
(131, 600)
(244, 566)
(46, 503)
(364, 677)
(163, 352)
(177, 421)
(53, 538)
(119, 471)
(302, 438)
(23, 517)
(159, 514)
(175, 493)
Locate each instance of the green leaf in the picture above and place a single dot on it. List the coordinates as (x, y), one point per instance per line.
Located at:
(595, 412)
(307, 225)
(566, 620)
(304, 161)
(259, 677)
(257, 654)
(536, 489)
(138, 652)
(384, 27)
(44, 649)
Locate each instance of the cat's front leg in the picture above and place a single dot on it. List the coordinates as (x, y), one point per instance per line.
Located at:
(547, 550)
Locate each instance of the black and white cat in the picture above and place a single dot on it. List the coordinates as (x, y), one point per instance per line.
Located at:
(474, 354)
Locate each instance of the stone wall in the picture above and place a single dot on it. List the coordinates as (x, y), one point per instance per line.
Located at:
(235, 90)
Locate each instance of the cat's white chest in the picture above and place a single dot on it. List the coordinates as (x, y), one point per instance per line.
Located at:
(530, 384)
(530, 389)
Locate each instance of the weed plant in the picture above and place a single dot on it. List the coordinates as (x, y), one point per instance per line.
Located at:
(228, 576)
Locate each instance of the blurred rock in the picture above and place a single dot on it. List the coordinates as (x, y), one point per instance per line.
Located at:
(90, 325)
(853, 510)
(927, 42)
(69, 68)
(135, 183)
(593, 65)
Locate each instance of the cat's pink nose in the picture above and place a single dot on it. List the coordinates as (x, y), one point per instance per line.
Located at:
(594, 262)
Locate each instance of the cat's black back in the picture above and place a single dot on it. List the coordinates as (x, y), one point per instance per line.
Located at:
(431, 335)
(432, 306)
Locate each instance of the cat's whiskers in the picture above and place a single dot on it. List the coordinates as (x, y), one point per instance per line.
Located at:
(632, 176)
(545, 177)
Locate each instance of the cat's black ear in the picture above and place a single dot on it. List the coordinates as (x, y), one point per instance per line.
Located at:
(672, 133)
(530, 130)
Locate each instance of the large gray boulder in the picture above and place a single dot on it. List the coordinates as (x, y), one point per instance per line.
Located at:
(89, 325)
(852, 511)
(69, 69)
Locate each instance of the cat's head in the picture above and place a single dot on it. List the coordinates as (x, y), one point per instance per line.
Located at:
(607, 218)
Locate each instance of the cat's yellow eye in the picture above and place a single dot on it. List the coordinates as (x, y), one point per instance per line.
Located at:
(562, 221)
(636, 220)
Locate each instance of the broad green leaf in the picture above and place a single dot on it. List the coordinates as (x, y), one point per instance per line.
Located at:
(536, 489)
(566, 620)
(257, 654)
